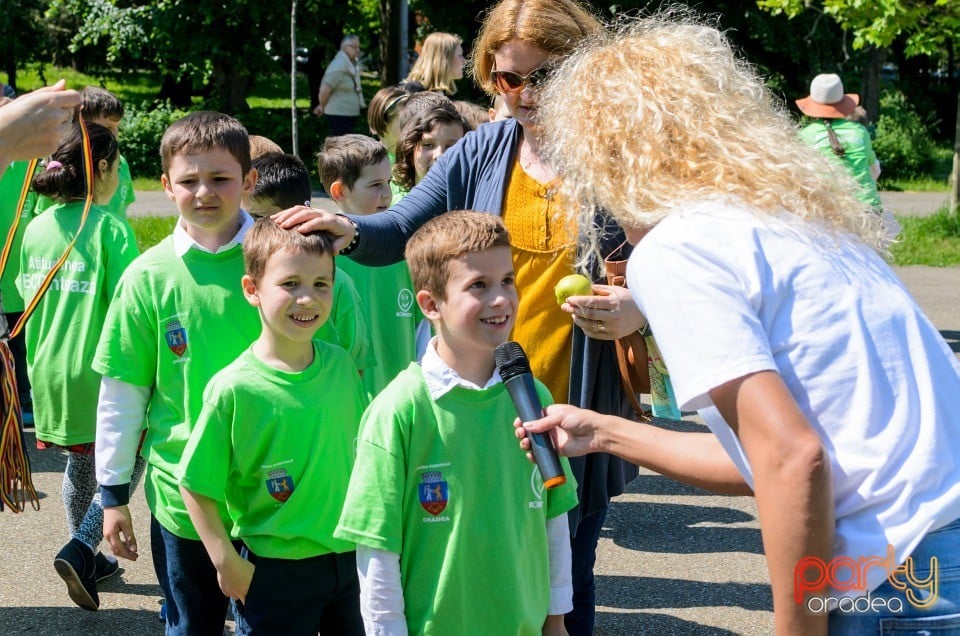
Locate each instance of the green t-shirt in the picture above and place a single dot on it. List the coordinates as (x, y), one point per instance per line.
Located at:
(346, 325)
(124, 195)
(858, 156)
(62, 334)
(445, 485)
(174, 322)
(278, 447)
(392, 314)
(10, 184)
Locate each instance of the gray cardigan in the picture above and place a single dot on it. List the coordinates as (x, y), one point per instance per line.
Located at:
(472, 175)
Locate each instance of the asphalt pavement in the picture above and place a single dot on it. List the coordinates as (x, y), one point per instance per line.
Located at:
(672, 559)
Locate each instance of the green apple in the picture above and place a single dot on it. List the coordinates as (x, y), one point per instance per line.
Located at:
(573, 285)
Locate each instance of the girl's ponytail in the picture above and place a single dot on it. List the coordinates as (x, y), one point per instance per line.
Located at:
(62, 178)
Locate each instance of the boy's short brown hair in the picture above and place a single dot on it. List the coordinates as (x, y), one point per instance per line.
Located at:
(447, 237)
(266, 238)
(260, 145)
(343, 158)
(99, 103)
(202, 131)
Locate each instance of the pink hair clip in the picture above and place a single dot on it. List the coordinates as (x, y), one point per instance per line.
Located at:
(52, 165)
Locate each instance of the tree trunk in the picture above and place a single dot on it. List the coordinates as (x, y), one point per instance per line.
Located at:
(11, 69)
(389, 43)
(955, 174)
(177, 92)
(230, 85)
(870, 83)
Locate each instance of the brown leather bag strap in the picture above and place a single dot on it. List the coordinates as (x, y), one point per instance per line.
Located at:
(632, 359)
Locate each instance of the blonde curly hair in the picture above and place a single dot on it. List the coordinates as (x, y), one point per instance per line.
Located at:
(659, 112)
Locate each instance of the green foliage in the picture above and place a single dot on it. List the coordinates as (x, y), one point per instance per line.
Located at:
(931, 240)
(925, 26)
(903, 143)
(150, 230)
(140, 134)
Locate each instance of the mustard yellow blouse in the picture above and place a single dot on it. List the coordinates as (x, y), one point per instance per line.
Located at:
(544, 250)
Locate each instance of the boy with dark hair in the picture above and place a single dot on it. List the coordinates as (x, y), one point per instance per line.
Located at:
(177, 318)
(355, 171)
(283, 182)
(275, 443)
(421, 497)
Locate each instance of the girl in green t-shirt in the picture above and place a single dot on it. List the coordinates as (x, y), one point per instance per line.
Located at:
(62, 333)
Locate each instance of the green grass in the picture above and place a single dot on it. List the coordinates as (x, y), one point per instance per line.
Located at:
(937, 181)
(931, 240)
(146, 183)
(916, 184)
(150, 230)
(132, 87)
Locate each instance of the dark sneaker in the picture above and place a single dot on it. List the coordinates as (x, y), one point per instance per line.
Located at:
(104, 567)
(76, 565)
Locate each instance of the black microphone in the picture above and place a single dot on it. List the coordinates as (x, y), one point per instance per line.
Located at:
(515, 372)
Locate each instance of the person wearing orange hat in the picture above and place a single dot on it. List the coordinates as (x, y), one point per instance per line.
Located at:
(834, 136)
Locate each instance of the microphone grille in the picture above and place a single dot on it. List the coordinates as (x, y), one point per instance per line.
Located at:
(511, 360)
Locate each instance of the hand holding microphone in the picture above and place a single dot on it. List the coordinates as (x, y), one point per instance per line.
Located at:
(515, 371)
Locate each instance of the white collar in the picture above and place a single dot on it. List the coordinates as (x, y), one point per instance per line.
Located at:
(441, 379)
(182, 242)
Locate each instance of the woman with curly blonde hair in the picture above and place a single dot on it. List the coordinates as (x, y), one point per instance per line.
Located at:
(440, 64)
(830, 396)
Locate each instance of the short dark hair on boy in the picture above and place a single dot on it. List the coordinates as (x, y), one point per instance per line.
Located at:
(260, 145)
(404, 170)
(282, 179)
(266, 238)
(446, 237)
(202, 131)
(343, 158)
(99, 103)
(419, 102)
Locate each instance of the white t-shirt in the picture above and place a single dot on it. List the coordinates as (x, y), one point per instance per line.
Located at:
(729, 293)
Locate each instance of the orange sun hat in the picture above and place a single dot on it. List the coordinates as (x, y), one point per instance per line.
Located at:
(827, 99)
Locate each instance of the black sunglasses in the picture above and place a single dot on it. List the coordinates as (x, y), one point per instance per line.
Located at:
(510, 82)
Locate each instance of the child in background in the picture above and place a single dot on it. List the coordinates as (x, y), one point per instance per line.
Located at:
(355, 171)
(177, 318)
(102, 107)
(498, 109)
(383, 116)
(283, 182)
(10, 184)
(275, 442)
(421, 497)
(62, 334)
(260, 145)
(473, 114)
(424, 139)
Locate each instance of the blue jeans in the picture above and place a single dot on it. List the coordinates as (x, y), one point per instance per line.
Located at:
(942, 618)
(194, 603)
(297, 597)
(583, 547)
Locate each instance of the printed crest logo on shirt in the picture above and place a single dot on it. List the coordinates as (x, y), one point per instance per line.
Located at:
(536, 485)
(280, 484)
(433, 492)
(405, 300)
(176, 337)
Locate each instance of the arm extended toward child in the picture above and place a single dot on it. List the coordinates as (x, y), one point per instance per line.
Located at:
(790, 469)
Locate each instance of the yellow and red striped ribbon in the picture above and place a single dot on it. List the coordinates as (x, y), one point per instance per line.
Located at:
(16, 483)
